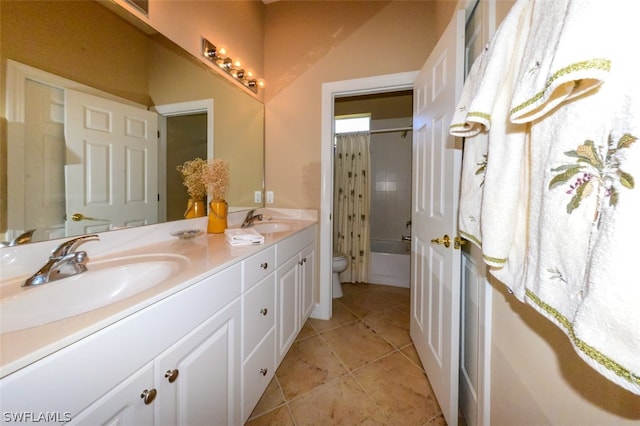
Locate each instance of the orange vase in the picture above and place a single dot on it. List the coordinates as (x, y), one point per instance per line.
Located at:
(195, 208)
(217, 216)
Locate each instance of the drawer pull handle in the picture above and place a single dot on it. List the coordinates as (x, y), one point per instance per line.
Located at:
(264, 265)
(264, 371)
(149, 395)
(171, 375)
(264, 311)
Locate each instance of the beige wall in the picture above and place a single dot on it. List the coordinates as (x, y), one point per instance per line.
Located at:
(236, 25)
(70, 47)
(310, 43)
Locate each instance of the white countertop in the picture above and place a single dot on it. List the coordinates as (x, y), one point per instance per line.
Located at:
(207, 254)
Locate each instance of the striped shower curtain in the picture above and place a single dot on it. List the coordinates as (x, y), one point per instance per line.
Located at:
(351, 203)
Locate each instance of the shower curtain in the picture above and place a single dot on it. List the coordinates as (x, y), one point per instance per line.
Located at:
(351, 203)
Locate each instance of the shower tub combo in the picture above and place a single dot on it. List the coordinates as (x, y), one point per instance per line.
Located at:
(390, 263)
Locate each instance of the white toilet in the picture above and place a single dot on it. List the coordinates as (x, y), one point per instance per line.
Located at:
(339, 264)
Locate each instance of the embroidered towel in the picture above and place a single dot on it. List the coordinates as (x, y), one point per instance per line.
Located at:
(607, 324)
(243, 236)
(583, 222)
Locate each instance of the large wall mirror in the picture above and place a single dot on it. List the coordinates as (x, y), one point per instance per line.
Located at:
(51, 49)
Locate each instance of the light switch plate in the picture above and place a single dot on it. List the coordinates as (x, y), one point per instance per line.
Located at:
(269, 197)
(257, 197)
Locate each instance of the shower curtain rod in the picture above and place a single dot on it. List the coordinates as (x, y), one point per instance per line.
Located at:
(395, 129)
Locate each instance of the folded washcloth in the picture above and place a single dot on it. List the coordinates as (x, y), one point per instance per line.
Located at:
(243, 237)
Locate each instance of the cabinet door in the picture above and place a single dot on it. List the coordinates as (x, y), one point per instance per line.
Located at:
(129, 403)
(288, 310)
(198, 378)
(307, 282)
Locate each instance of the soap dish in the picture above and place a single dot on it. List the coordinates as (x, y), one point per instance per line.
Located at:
(187, 234)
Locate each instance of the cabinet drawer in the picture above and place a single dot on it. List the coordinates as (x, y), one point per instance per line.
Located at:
(293, 244)
(258, 313)
(257, 267)
(257, 372)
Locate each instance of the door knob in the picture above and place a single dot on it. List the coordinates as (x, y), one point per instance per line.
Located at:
(458, 242)
(445, 241)
(77, 217)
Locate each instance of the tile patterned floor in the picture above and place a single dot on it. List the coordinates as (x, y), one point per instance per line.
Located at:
(359, 367)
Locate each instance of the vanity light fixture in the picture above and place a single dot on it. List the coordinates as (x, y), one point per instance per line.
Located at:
(219, 56)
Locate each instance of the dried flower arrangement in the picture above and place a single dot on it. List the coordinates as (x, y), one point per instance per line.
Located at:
(216, 178)
(192, 177)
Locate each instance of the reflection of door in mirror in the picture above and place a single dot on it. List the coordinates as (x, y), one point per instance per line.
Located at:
(186, 140)
(111, 167)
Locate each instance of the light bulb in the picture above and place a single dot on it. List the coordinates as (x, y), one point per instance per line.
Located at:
(237, 63)
(249, 73)
(261, 83)
(222, 51)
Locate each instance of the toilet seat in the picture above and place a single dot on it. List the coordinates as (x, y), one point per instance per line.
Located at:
(339, 256)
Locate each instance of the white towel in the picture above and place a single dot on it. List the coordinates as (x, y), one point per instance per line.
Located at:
(583, 223)
(567, 54)
(474, 156)
(506, 178)
(460, 126)
(478, 101)
(243, 236)
(499, 58)
(608, 320)
(499, 156)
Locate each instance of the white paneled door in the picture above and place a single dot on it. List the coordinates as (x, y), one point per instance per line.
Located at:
(435, 275)
(111, 172)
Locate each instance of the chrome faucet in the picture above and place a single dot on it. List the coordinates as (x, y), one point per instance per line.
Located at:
(250, 218)
(23, 238)
(63, 262)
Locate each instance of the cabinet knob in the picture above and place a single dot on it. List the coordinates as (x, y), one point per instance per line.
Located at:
(171, 375)
(264, 265)
(264, 311)
(264, 371)
(148, 395)
(300, 263)
(304, 260)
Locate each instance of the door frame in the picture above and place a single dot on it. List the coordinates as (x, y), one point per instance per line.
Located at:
(331, 91)
(201, 106)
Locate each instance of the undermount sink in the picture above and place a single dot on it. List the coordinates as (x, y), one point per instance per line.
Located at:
(105, 282)
(271, 227)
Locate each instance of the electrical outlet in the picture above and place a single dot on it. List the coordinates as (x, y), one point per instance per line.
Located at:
(270, 197)
(257, 197)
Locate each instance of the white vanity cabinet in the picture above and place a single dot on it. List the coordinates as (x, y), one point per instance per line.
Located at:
(103, 377)
(203, 355)
(295, 275)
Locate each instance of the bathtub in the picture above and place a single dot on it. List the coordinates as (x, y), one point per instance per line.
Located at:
(390, 263)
